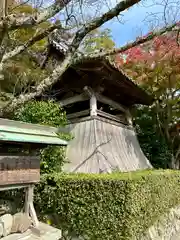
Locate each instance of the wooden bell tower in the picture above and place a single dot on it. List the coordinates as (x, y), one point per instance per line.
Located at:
(97, 97)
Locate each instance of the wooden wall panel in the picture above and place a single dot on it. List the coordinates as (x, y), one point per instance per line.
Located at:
(103, 145)
(19, 170)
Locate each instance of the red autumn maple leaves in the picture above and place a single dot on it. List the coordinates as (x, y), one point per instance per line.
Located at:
(160, 48)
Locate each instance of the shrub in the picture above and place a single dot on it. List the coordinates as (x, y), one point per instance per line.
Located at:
(41, 112)
(46, 113)
(107, 206)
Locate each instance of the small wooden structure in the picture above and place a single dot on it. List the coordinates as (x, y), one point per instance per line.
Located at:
(98, 97)
(19, 160)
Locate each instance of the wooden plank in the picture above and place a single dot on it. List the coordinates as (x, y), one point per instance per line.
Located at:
(19, 149)
(29, 206)
(29, 127)
(110, 102)
(13, 186)
(78, 98)
(78, 114)
(26, 204)
(93, 105)
(111, 117)
(19, 170)
(100, 118)
(19, 162)
(19, 176)
(33, 215)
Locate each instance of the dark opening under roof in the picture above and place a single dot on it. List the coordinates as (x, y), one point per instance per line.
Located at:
(102, 75)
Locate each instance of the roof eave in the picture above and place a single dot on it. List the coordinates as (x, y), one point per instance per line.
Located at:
(20, 132)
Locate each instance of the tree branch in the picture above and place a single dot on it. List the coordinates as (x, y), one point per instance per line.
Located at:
(34, 39)
(46, 83)
(3, 29)
(59, 70)
(100, 55)
(2, 33)
(97, 22)
(4, 8)
(14, 21)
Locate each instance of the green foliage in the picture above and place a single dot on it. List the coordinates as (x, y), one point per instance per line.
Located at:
(152, 143)
(42, 112)
(24, 34)
(107, 206)
(23, 71)
(46, 113)
(98, 39)
(18, 74)
(52, 159)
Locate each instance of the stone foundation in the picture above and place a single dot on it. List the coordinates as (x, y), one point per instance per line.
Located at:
(17, 223)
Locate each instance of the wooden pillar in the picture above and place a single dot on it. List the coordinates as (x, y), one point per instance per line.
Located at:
(93, 105)
(93, 100)
(29, 206)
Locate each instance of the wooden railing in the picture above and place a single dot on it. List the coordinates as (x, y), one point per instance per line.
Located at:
(119, 119)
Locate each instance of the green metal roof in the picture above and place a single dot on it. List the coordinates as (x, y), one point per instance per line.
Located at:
(14, 131)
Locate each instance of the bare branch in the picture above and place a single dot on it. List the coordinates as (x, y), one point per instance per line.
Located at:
(127, 46)
(14, 22)
(97, 22)
(19, 5)
(167, 12)
(177, 38)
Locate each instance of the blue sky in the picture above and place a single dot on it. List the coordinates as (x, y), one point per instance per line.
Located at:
(132, 26)
(135, 19)
(135, 22)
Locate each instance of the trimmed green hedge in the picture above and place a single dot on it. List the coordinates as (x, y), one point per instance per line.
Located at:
(108, 206)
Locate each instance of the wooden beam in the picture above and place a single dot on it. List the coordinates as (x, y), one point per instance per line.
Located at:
(29, 206)
(26, 204)
(7, 124)
(110, 102)
(93, 105)
(12, 187)
(88, 91)
(78, 114)
(111, 117)
(33, 215)
(94, 97)
(93, 100)
(78, 98)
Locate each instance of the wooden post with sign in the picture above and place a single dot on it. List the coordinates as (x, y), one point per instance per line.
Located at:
(19, 159)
